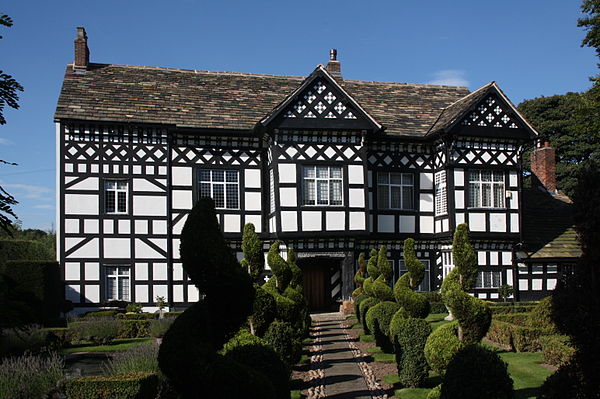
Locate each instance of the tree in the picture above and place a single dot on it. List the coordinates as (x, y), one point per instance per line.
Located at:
(8, 96)
(591, 23)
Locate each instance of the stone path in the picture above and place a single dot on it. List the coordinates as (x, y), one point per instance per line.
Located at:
(337, 367)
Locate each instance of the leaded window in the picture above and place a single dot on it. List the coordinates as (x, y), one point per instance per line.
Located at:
(488, 280)
(395, 190)
(486, 189)
(424, 286)
(322, 185)
(115, 196)
(117, 283)
(441, 193)
(222, 186)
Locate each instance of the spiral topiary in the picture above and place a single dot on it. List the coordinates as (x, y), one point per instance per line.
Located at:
(281, 270)
(264, 310)
(364, 307)
(409, 335)
(380, 288)
(378, 320)
(373, 273)
(414, 303)
(254, 261)
(189, 355)
(441, 346)
(359, 277)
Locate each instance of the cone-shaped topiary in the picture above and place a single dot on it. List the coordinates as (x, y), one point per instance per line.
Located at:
(415, 304)
(254, 261)
(359, 277)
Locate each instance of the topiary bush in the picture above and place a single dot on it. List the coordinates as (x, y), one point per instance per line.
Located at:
(101, 331)
(441, 346)
(357, 302)
(125, 386)
(281, 337)
(254, 261)
(378, 320)
(476, 372)
(364, 307)
(557, 349)
(541, 316)
(414, 303)
(409, 335)
(359, 277)
(264, 310)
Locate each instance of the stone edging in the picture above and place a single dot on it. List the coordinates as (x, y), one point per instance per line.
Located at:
(316, 373)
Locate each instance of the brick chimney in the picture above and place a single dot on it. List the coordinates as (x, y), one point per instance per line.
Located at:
(82, 52)
(333, 66)
(543, 165)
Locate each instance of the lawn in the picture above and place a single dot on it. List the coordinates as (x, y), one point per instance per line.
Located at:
(117, 345)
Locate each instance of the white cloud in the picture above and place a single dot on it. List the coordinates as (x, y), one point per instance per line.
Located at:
(449, 77)
(43, 206)
(28, 191)
(5, 141)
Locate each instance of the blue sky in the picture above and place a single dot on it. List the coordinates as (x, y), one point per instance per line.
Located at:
(531, 48)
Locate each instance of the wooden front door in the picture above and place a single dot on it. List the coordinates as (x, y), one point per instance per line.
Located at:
(316, 273)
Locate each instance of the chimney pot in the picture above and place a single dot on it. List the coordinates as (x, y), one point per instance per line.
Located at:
(333, 66)
(82, 52)
(333, 54)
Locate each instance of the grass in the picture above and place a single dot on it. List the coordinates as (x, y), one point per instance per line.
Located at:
(296, 393)
(117, 345)
(526, 372)
(366, 338)
(437, 319)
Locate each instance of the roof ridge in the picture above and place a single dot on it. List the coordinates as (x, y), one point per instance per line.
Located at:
(404, 83)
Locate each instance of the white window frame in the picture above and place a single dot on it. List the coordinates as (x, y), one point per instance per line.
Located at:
(117, 192)
(426, 278)
(441, 193)
(119, 277)
(223, 185)
(399, 186)
(484, 276)
(482, 191)
(311, 198)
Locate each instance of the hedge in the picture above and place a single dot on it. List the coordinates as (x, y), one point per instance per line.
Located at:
(138, 385)
(134, 328)
(556, 349)
(518, 338)
(520, 319)
(510, 307)
(21, 250)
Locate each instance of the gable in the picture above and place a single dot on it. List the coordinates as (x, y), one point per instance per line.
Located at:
(491, 112)
(320, 103)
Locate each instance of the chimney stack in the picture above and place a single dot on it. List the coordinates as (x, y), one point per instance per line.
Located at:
(333, 66)
(543, 165)
(82, 52)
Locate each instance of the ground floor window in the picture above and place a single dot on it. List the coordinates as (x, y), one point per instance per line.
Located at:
(117, 283)
(488, 280)
(424, 286)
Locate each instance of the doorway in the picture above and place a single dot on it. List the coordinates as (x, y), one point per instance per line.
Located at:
(317, 273)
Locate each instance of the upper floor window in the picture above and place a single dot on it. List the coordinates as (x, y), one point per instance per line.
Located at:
(222, 186)
(115, 196)
(322, 185)
(441, 193)
(488, 280)
(117, 283)
(395, 190)
(486, 189)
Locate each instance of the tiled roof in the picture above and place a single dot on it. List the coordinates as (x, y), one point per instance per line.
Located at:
(229, 100)
(548, 225)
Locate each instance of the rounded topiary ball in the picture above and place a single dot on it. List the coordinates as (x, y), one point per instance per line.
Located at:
(441, 346)
(378, 321)
(476, 372)
(280, 335)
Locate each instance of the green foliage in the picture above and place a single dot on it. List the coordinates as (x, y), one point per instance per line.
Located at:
(23, 250)
(414, 303)
(140, 358)
(281, 270)
(125, 386)
(297, 279)
(158, 328)
(368, 286)
(253, 251)
(436, 304)
(465, 258)
(134, 328)
(264, 311)
(99, 331)
(520, 319)
(30, 376)
(569, 382)
(359, 277)
(505, 291)
(501, 333)
(363, 308)
(435, 393)
(378, 320)
(511, 307)
(100, 314)
(415, 268)
(409, 335)
(442, 344)
(381, 290)
(372, 268)
(383, 264)
(134, 308)
(557, 349)
(281, 337)
(357, 301)
(541, 316)
(285, 307)
(591, 23)
(476, 372)
(30, 339)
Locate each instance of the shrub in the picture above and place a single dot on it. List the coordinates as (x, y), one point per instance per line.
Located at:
(557, 349)
(280, 336)
(264, 311)
(30, 376)
(505, 291)
(252, 247)
(541, 316)
(158, 328)
(476, 372)
(435, 393)
(96, 331)
(413, 302)
(133, 328)
(510, 307)
(409, 336)
(16, 341)
(526, 339)
(124, 386)
(22, 249)
(519, 319)
(137, 316)
(441, 346)
(140, 358)
(501, 333)
(378, 320)
(101, 314)
(134, 308)
(364, 307)
(357, 302)
(436, 304)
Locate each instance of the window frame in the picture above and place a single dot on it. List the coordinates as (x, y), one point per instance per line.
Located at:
(479, 201)
(224, 183)
(400, 186)
(329, 179)
(116, 190)
(440, 190)
(481, 279)
(118, 277)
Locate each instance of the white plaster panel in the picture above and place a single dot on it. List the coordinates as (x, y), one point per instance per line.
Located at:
(141, 293)
(287, 196)
(311, 221)
(72, 292)
(141, 227)
(459, 199)
(124, 226)
(72, 271)
(407, 224)
(494, 295)
(70, 242)
(145, 185)
(82, 168)
(91, 271)
(141, 271)
(256, 221)
(252, 178)
(536, 284)
(438, 226)
(89, 250)
(385, 223)
(81, 204)
(426, 224)
(481, 258)
(357, 221)
(493, 258)
(117, 248)
(177, 293)
(514, 201)
(460, 218)
(137, 169)
(177, 272)
(71, 226)
(506, 258)
(149, 205)
(509, 277)
(109, 226)
(514, 223)
(445, 224)
(551, 284)
(176, 243)
(182, 199)
(92, 293)
(159, 227)
(426, 181)
(231, 223)
(193, 294)
(91, 226)
(477, 221)
(335, 221)
(181, 176)
(498, 222)
(426, 202)
(144, 251)
(159, 271)
(356, 174)
(90, 183)
(287, 173)
(356, 198)
(252, 201)
(459, 177)
(523, 285)
(160, 290)
(513, 178)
